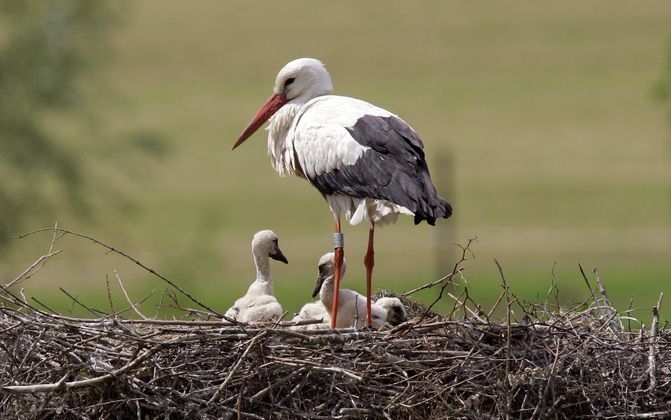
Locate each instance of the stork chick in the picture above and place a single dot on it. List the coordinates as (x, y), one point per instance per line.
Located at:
(351, 305)
(396, 314)
(316, 311)
(312, 311)
(259, 304)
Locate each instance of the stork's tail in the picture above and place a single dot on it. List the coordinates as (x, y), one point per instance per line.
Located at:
(437, 209)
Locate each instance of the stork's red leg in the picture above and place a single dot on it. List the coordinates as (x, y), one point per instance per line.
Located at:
(338, 260)
(369, 262)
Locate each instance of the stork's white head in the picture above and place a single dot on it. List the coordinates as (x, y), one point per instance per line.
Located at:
(299, 81)
(266, 244)
(304, 79)
(396, 313)
(327, 271)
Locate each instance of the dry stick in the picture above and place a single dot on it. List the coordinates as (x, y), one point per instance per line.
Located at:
(653, 415)
(544, 395)
(464, 250)
(280, 381)
(465, 307)
(137, 262)
(602, 288)
(29, 271)
(496, 304)
(508, 303)
(23, 296)
(132, 305)
(142, 321)
(584, 276)
(40, 261)
(94, 311)
(235, 367)
(628, 312)
(109, 297)
(652, 359)
(553, 286)
(242, 389)
(508, 322)
(315, 365)
(434, 283)
(62, 385)
(34, 299)
(30, 349)
(24, 303)
(103, 315)
(604, 294)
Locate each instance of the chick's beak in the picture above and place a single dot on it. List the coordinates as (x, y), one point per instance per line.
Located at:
(279, 256)
(318, 286)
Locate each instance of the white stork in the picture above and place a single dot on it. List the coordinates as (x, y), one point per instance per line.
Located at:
(367, 162)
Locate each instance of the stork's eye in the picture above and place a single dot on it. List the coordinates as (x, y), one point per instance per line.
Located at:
(289, 81)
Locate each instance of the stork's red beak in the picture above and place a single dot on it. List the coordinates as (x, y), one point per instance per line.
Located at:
(267, 110)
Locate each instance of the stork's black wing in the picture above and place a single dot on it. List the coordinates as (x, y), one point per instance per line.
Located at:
(392, 169)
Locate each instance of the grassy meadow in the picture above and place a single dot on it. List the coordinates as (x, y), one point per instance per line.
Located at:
(538, 123)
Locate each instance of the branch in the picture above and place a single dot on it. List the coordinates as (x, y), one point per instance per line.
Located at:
(62, 385)
(457, 269)
(137, 262)
(652, 358)
(130, 302)
(434, 283)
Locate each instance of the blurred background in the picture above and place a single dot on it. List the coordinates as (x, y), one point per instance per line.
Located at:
(545, 125)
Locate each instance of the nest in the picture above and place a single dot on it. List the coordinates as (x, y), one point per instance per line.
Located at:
(540, 361)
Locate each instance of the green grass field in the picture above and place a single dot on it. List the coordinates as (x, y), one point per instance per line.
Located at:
(538, 123)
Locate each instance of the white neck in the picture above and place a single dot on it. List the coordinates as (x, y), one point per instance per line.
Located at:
(326, 293)
(264, 281)
(280, 148)
(280, 140)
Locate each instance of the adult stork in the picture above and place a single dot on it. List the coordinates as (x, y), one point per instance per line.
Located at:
(367, 162)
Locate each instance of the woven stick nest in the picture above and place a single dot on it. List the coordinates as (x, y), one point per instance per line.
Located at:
(540, 361)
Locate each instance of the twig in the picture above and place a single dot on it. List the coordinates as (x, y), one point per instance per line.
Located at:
(62, 385)
(130, 302)
(137, 262)
(94, 311)
(446, 278)
(496, 304)
(109, 297)
(280, 381)
(537, 411)
(652, 359)
(464, 251)
(651, 415)
(235, 367)
(584, 276)
(602, 288)
(32, 270)
(39, 263)
(508, 336)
